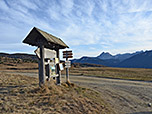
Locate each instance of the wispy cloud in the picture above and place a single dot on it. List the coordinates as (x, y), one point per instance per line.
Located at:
(116, 26)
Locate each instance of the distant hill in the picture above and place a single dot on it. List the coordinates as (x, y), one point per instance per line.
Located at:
(90, 60)
(141, 60)
(105, 56)
(96, 60)
(138, 59)
(85, 65)
(19, 55)
(120, 57)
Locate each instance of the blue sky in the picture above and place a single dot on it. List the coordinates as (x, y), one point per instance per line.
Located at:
(89, 27)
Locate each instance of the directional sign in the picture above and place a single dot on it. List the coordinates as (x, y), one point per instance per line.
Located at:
(67, 51)
(67, 64)
(47, 53)
(67, 54)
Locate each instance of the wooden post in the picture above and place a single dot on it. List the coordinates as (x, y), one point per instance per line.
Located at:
(58, 79)
(67, 54)
(49, 71)
(47, 67)
(67, 73)
(41, 67)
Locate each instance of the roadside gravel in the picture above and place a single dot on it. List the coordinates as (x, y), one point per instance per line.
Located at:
(124, 96)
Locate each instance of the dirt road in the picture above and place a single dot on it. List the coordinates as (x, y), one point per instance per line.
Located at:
(125, 97)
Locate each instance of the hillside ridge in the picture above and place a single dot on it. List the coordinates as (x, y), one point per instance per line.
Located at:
(139, 59)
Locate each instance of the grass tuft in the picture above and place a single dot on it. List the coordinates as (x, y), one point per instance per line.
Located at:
(21, 94)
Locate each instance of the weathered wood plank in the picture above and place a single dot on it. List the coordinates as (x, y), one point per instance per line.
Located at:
(48, 53)
(58, 79)
(47, 67)
(41, 67)
(70, 51)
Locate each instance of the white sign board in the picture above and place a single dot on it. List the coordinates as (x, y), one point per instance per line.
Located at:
(47, 53)
(67, 64)
(61, 66)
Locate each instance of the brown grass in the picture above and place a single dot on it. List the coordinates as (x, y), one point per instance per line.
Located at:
(21, 94)
(19, 67)
(121, 73)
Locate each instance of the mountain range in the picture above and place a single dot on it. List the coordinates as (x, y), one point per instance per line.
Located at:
(139, 59)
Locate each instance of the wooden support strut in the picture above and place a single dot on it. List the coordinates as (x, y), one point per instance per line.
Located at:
(41, 67)
(48, 71)
(58, 79)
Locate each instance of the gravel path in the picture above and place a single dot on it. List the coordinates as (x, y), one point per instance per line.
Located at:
(124, 96)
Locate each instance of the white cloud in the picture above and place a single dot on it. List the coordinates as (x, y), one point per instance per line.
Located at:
(66, 7)
(28, 4)
(107, 23)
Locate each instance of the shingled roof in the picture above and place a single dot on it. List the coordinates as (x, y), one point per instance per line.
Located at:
(36, 37)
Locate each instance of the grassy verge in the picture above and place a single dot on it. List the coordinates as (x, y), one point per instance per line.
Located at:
(21, 94)
(121, 73)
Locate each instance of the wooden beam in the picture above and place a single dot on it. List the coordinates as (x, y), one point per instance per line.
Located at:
(70, 51)
(67, 53)
(41, 67)
(58, 79)
(48, 71)
(70, 56)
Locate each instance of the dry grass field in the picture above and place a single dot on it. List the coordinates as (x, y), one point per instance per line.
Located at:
(21, 95)
(119, 73)
(19, 67)
(105, 72)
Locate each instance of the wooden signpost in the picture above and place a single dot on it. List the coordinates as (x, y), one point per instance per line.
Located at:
(48, 56)
(41, 67)
(67, 64)
(67, 54)
(46, 43)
